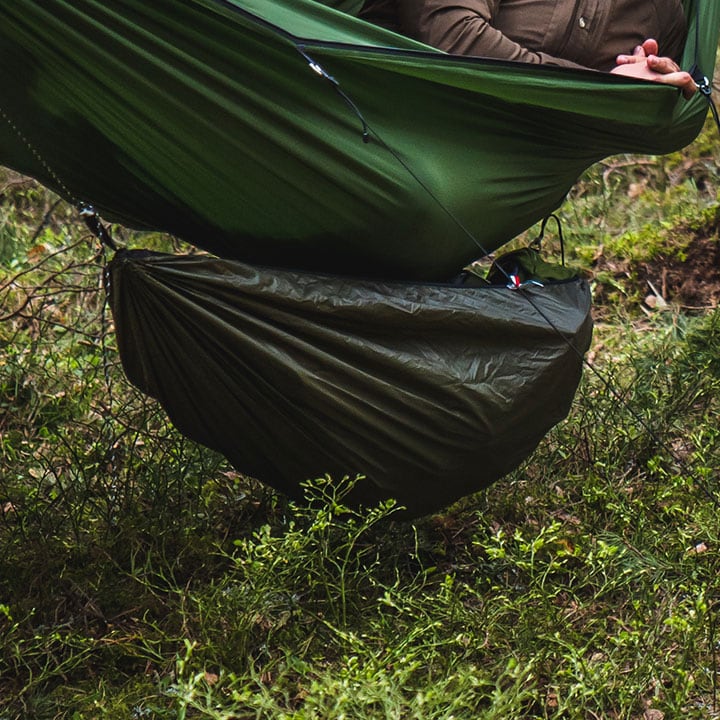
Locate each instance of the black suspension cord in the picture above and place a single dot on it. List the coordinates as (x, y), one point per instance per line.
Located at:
(616, 394)
(701, 80)
(368, 132)
(537, 242)
(319, 70)
(95, 225)
(85, 210)
(100, 231)
(705, 89)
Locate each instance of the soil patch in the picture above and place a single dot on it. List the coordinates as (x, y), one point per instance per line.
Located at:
(692, 283)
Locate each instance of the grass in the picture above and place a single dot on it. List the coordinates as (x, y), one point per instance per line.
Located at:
(142, 577)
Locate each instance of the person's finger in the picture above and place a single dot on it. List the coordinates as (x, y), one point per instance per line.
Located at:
(636, 57)
(639, 53)
(662, 64)
(650, 47)
(682, 80)
(679, 79)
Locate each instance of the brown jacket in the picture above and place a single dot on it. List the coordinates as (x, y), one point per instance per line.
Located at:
(588, 33)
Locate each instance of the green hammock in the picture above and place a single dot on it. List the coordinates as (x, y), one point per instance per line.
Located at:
(370, 168)
(204, 118)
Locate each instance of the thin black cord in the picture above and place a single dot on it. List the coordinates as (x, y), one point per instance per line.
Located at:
(368, 131)
(63, 188)
(537, 242)
(319, 70)
(96, 227)
(86, 211)
(701, 80)
(705, 88)
(614, 392)
(100, 231)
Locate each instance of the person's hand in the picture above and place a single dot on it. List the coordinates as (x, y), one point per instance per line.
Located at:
(645, 63)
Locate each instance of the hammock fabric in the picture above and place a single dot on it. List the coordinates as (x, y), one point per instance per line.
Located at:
(204, 118)
(289, 134)
(430, 391)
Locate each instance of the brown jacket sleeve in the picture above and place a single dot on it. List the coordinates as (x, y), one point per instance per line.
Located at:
(568, 33)
(466, 27)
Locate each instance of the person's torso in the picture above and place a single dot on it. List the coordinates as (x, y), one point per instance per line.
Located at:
(590, 32)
